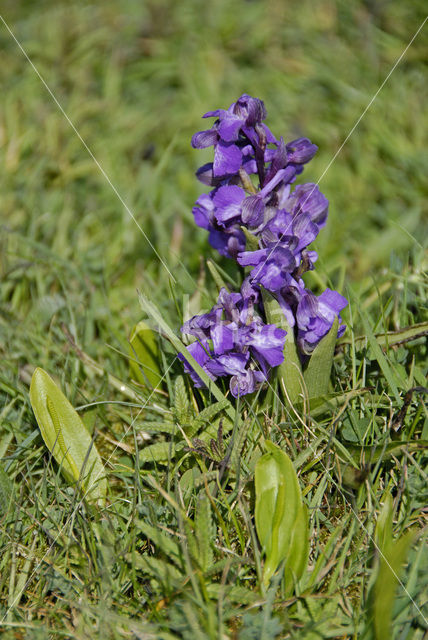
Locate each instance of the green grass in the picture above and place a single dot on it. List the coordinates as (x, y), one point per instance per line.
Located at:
(174, 553)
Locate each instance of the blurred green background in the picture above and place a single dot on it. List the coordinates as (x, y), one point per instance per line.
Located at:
(135, 78)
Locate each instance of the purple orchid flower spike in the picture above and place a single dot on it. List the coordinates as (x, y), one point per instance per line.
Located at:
(267, 228)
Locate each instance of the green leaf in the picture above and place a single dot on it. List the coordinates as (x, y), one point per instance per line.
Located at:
(317, 372)
(162, 571)
(163, 541)
(207, 414)
(289, 373)
(158, 427)
(299, 549)
(281, 518)
(205, 420)
(236, 594)
(144, 346)
(252, 243)
(383, 531)
(159, 452)
(392, 554)
(67, 438)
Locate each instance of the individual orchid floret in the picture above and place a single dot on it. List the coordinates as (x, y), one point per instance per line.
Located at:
(234, 132)
(272, 265)
(315, 317)
(300, 151)
(308, 199)
(227, 240)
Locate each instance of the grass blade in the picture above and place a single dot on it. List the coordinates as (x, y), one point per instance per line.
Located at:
(387, 371)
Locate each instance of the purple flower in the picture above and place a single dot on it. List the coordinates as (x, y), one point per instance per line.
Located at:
(246, 383)
(266, 342)
(308, 199)
(272, 265)
(228, 364)
(228, 241)
(233, 341)
(283, 220)
(301, 216)
(227, 201)
(315, 317)
(232, 132)
(200, 351)
(203, 211)
(300, 151)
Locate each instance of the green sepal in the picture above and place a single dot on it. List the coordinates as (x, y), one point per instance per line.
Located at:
(252, 244)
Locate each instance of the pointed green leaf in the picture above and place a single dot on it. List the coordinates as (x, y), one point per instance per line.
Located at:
(145, 348)
(163, 541)
(317, 372)
(207, 414)
(290, 371)
(267, 479)
(237, 594)
(162, 571)
(390, 374)
(67, 438)
(252, 243)
(158, 427)
(383, 531)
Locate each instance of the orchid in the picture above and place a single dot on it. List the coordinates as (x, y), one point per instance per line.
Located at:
(267, 229)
